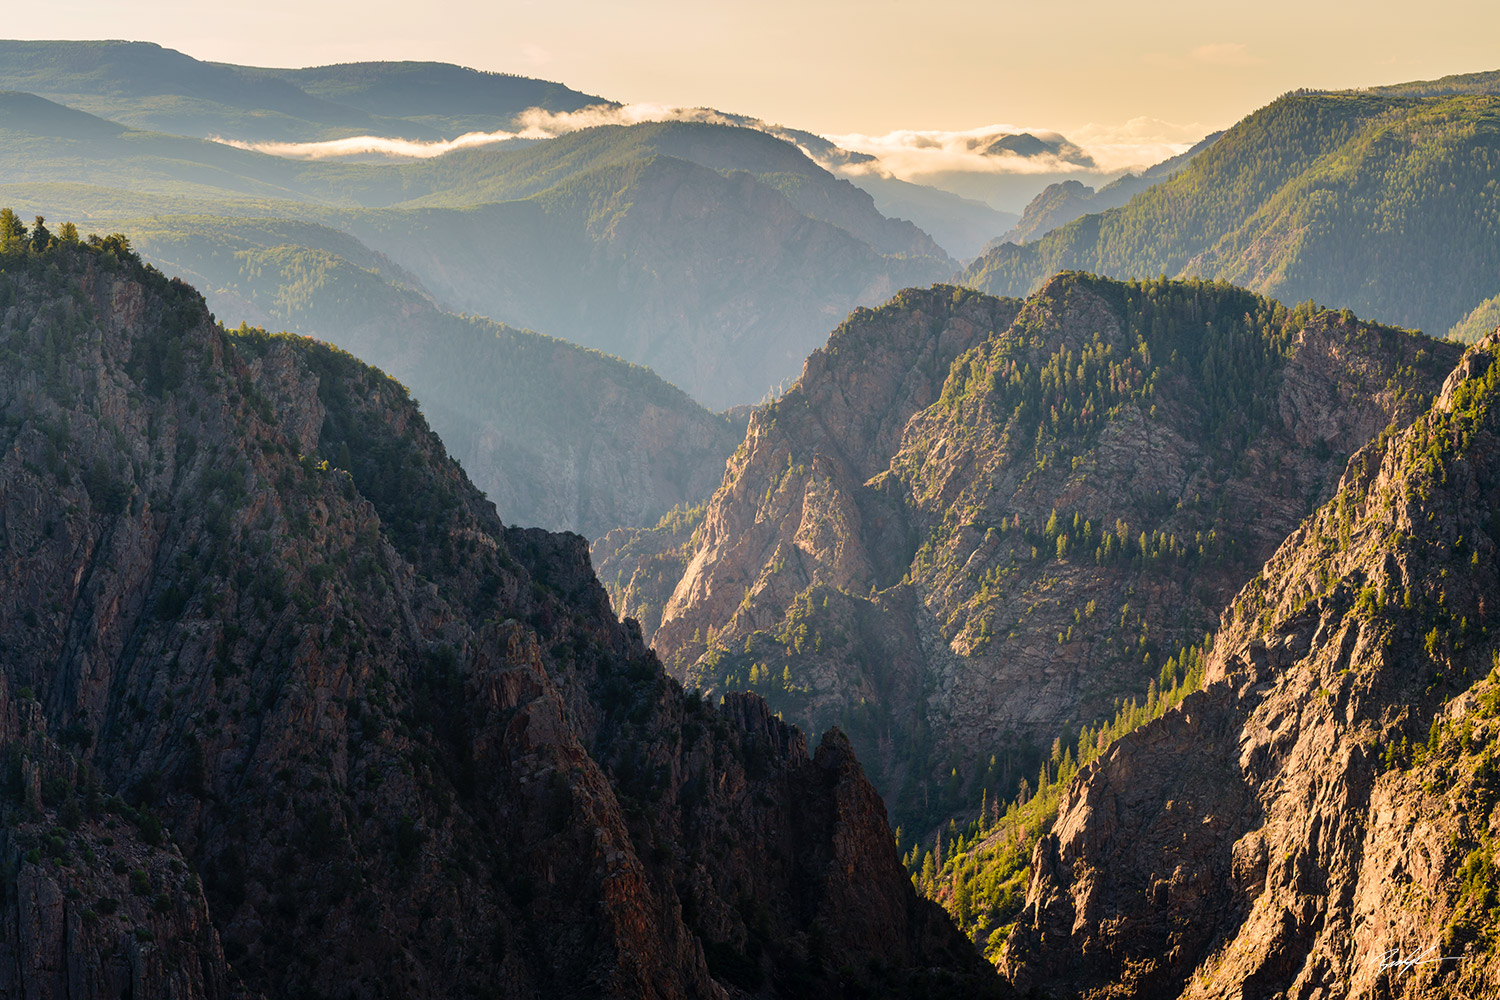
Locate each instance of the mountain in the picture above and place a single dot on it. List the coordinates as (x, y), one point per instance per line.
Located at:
(976, 525)
(469, 176)
(156, 89)
(1055, 205)
(644, 242)
(1320, 818)
(716, 281)
(161, 90)
(449, 99)
(1060, 204)
(556, 435)
(286, 710)
(1377, 203)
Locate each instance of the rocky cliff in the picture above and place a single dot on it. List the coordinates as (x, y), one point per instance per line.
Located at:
(285, 709)
(976, 523)
(1320, 821)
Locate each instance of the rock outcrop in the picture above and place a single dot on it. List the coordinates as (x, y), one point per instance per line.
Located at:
(975, 523)
(1321, 820)
(278, 681)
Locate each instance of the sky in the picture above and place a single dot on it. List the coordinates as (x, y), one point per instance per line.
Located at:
(1156, 69)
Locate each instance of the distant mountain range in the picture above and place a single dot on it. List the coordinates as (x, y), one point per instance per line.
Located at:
(717, 255)
(646, 242)
(155, 89)
(152, 88)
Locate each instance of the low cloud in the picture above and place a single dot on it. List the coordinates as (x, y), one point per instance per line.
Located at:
(534, 123)
(917, 154)
(538, 123)
(368, 145)
(1137, 143)
(910, 154)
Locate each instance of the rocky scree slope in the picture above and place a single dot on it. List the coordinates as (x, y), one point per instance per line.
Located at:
(1326, 807)
(975, 524)
(282, 695)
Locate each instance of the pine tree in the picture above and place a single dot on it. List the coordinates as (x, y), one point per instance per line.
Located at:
(12, 230)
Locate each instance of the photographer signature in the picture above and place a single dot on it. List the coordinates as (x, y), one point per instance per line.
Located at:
(1394, 959)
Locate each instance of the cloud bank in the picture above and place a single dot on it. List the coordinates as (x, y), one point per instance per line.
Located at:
(1005, 149)
(533, 123)
(368, 145)
(909, 154)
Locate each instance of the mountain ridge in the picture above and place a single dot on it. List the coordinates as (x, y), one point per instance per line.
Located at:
(1351, 198)
(160, 89)
(1344, 739)
(976, 523)
(397, 747)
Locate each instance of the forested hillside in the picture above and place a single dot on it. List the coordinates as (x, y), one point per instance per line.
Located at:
(1482, 319)
(1383, 204)
(556, 435)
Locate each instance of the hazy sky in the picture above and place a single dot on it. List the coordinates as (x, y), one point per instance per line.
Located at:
(847, 66)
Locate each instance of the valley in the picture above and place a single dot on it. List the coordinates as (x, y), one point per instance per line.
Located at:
(469, 537)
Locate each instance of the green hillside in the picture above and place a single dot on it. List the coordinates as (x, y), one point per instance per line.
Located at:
(1482, 319)
(1384, 204)
(557, 435)
(42, 142)
(1061, 203)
